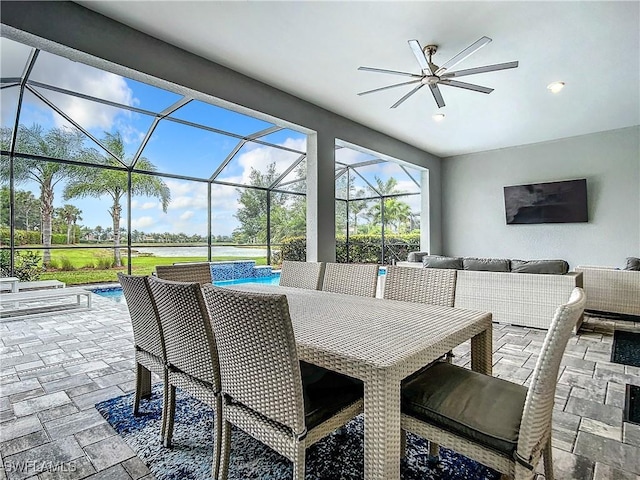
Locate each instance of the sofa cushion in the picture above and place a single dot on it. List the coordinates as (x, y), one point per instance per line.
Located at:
(633, 263)
(416, 256)
(556, 267)
(439, 261)
(486, 264)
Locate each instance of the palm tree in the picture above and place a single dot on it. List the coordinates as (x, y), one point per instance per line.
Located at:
(61, 143)
(396, 211)
(99, 182)
(70, 214)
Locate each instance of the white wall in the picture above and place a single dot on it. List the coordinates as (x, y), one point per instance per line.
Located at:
(473, 214)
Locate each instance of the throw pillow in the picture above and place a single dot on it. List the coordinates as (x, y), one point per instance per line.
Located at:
(486, 264)
(416, 256)
(633, 263)
(553, 267)
(439, 261)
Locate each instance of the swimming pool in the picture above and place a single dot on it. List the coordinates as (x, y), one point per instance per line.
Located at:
(115, 293)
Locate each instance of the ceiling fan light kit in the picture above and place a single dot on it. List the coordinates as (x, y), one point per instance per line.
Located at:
(555, 87)
(433, 75)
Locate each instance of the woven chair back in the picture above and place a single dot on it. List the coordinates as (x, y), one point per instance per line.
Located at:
(538, 407)
(258, 358)
(351, 279)
(307, 275)
(147, 334)
(186, 326)
(191, 272)
(434, 286)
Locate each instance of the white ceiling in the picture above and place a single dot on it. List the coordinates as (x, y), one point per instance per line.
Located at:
(313, 49)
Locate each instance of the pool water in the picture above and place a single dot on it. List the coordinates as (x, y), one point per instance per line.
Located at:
(115, 293)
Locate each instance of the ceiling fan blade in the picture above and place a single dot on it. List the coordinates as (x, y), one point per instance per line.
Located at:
(419, 54)
(389, 86)
(486, 68)
(437, 96)
(467, 86)
(474, 47)
(407, 95)
(393, 72)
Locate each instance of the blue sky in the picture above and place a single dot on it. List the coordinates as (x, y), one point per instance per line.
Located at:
(173, 148)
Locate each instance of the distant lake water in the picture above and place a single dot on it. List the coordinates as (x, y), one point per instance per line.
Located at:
(202, 251)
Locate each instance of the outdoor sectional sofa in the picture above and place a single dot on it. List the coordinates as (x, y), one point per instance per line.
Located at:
(509, 289)
(611, 289)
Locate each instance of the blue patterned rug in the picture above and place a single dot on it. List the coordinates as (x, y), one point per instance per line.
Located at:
(337, 457)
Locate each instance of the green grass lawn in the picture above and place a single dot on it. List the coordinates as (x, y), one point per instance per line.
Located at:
(76, 266)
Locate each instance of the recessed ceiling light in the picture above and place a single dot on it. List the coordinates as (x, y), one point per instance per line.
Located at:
(438, 117)
(555, 87)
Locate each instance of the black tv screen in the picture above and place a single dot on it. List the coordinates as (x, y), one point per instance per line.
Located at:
(552, 202)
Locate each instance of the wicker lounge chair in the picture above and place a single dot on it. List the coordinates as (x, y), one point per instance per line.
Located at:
(302, 274)
(188, 272)
(434, 286)
(192, 355)
(150, 351)
(498, 423)
(351, 279)
(284, 403)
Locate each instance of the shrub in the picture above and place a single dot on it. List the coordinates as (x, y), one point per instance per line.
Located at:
(104, 263)
(66, 265)
(21, 237)
(292, 248)
(362, 248)
(27, 265)
(59, 239)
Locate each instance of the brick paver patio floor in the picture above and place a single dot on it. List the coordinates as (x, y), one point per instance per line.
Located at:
(56, 366)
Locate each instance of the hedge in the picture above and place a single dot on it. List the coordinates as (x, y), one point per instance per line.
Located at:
(362, 248)
(29, 237)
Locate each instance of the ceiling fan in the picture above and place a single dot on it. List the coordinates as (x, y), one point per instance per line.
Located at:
(433, 75)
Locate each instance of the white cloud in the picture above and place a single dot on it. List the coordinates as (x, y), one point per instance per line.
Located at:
(143, 223)
(187, 195)
(261, 156)
(188, 215)
(78, 77)
(136, 205)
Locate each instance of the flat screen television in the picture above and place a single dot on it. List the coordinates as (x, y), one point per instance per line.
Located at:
(552, 202)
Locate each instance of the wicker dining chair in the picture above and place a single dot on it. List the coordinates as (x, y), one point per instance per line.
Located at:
(188, 272)
(351, 279)
(268, 393)
(150, 353)
(498, 423)
(192, 355)
(435, 286)
(307, 275)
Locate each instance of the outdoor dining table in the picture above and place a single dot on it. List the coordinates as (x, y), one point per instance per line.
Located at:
(380, 342)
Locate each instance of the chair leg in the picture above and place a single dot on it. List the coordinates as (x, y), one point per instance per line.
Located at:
(225, 450)
(165, 405)
(171, 412)
(548, 460)
(136, 398)
(215, 465)
(143, 386)
(298, 464)
(434, 449)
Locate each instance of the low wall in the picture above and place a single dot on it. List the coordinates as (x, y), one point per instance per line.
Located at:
(238, 269)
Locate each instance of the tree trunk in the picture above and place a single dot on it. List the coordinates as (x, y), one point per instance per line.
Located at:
(69, 227)
(115, 215)
(46, 195)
